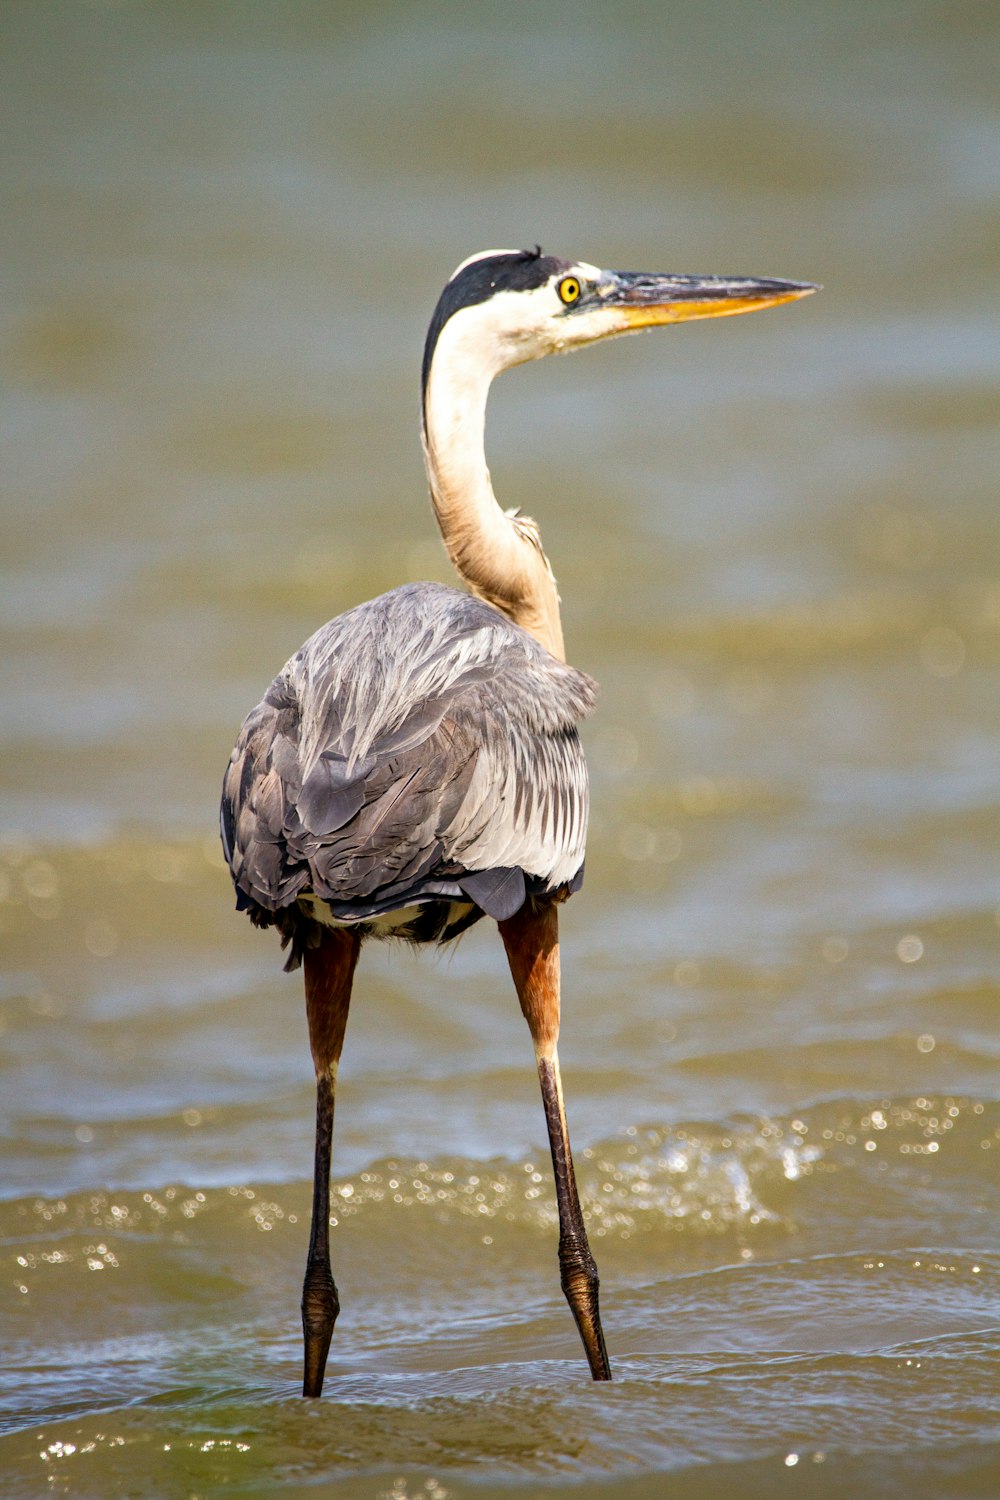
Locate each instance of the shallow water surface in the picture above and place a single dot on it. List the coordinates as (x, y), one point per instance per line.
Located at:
(776, 540)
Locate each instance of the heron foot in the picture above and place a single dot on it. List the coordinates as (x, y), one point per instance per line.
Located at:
(320, 1306)
(580, 1284)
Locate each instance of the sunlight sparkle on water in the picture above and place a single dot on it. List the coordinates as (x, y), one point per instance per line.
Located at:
(910, 949)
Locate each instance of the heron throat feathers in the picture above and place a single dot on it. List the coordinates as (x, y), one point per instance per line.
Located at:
(499, 555)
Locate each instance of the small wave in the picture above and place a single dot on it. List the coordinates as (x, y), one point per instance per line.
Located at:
(699, 1176)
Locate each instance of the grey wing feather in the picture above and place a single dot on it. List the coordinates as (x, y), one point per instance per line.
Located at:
(416, 741)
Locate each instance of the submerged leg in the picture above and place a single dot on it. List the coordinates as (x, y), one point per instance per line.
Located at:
(532, 942)
(329, 972)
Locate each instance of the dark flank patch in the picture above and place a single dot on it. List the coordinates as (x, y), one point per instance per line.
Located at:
(516, 271)
(437, 921)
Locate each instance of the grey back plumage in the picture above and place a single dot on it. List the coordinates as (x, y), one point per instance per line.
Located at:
(419, 746)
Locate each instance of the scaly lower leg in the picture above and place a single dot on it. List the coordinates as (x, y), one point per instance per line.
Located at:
(320, 1303)
(329, 973)
(577, 1268)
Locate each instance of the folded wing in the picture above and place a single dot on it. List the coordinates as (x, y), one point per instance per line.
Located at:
(418, 746)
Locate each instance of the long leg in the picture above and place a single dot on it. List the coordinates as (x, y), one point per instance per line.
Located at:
(329, 972)
(532, 942)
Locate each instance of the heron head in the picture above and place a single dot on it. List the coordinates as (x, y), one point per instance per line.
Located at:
(504, 307)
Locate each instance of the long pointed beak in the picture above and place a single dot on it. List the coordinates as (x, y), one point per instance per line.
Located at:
(645, 300)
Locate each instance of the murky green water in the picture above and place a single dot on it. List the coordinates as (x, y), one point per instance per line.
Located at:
(224, 228)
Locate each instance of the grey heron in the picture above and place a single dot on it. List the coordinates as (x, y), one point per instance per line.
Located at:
(416, 765)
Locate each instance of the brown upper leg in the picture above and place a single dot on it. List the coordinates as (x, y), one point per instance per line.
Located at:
(329, 973)
(531, 938)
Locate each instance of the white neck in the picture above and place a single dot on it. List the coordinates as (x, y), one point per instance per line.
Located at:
(499, 556)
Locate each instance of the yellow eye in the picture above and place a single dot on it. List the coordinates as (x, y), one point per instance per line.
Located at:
(569, 289)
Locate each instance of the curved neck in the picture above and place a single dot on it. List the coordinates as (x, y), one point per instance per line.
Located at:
(498, 555)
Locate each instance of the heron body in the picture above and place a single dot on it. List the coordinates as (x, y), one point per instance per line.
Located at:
(416, 765)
